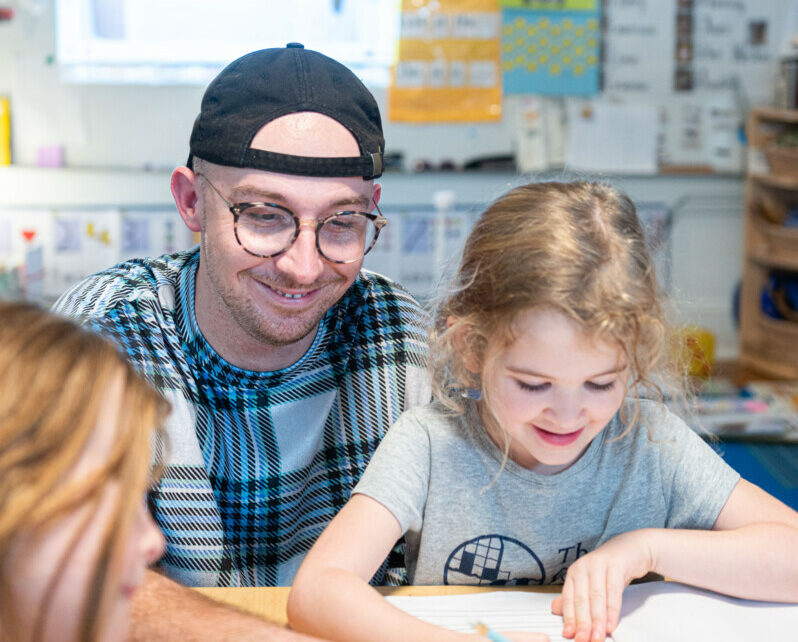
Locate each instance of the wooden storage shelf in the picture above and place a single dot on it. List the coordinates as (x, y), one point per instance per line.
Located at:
(774, 245)
(776, 115)
(776, 181)
(768, 346)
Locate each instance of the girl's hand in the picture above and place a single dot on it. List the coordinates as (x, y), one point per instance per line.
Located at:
(590, 603)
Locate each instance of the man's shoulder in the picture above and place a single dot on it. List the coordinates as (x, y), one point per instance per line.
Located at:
(378, 317)
(377, 284)
(136, 281)
(373, 294)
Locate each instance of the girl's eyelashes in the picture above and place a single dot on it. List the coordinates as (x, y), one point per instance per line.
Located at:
(538, 387)
(600, 387)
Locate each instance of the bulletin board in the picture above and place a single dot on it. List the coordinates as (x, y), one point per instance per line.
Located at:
(655, 47)
(677, 79)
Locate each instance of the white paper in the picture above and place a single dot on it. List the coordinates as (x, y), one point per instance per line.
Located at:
(414, 24)
(667, 611)
(639, 47)
(605, 136)
(67, 235)
(701, 128)
(5, 236)
(420, 248)
(410, 73)
(736, 46)
(480, 25)
(87, 241)
(34, 274)
(23, 231)
(135, 235)
(651, 612)
(498, 610)
(152, 232)
(539, 125)
(530, 133)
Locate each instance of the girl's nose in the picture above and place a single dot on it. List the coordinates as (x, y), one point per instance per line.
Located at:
(568, 410)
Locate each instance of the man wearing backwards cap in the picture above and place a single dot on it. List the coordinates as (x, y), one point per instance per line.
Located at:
(284, 363)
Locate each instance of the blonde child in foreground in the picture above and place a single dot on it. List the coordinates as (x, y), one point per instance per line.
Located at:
(76, 424)
(538, 462)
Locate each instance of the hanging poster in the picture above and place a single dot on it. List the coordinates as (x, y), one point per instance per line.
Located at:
(551, 48)
(447, 68)
(638, 57)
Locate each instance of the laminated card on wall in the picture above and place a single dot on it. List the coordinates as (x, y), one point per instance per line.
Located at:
(448, 63)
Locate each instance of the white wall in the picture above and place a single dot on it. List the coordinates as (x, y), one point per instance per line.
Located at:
(121, 142)
(148, 127)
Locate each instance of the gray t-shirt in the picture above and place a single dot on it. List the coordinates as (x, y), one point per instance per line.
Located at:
(433, 470)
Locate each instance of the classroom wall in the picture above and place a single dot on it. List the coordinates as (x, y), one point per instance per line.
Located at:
(120, 143)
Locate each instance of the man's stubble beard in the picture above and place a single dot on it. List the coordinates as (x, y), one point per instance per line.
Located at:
(271, 330)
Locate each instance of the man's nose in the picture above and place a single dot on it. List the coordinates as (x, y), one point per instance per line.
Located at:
(302, 263)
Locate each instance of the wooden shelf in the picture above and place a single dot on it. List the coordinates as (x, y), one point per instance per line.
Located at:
(776, 181)
(772, 245)
(775, 115)
(768, 346)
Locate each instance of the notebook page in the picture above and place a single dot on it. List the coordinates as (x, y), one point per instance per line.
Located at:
(499, 610)
(666, 611)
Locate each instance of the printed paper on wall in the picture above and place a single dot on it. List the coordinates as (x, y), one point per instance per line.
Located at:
(448, 63)
(551, 48)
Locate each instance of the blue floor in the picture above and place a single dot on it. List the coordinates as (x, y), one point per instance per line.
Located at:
(771, 466)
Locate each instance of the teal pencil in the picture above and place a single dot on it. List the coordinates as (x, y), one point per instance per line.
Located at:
(491, 635)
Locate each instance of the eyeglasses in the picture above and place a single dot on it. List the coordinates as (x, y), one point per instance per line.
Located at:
(266, 230)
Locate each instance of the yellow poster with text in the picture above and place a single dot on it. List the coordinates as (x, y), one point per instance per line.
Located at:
(5, 131)
(448, 63)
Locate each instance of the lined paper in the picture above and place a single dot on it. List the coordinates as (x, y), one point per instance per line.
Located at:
(499, 610)
(653, 611)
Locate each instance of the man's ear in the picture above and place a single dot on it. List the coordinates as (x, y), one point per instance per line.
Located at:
(184, 191)
(460, 342)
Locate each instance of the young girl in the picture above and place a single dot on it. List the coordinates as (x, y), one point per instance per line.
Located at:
(539, 462)
(76, 424)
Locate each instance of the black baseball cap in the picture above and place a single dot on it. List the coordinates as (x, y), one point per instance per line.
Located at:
(267, 84)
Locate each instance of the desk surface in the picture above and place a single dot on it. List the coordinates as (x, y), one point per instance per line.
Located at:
(269, 602)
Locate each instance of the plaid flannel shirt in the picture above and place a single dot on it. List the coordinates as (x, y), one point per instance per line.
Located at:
(258, 462)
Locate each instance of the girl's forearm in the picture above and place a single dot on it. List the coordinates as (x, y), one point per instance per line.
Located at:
(756, 562)
(337, 605)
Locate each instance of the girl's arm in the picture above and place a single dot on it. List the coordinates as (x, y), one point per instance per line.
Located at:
(748, 554)
(331, 595)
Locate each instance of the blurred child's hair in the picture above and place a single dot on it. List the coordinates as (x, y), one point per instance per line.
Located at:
(576, 248)
(53, 379)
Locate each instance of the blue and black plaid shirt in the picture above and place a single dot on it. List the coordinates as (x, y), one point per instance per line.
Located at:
(258, 462)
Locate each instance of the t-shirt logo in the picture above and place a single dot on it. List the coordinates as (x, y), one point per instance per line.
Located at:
(496, 560)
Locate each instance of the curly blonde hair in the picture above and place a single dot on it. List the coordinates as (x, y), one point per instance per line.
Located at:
(577, 248)
(53, 380)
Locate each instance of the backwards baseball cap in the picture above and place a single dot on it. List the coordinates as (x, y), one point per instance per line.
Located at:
(266, 84)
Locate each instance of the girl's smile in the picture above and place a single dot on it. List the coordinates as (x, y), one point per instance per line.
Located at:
(558, 438)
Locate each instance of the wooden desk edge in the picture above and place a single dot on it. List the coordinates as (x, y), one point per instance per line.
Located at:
(269, 602)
